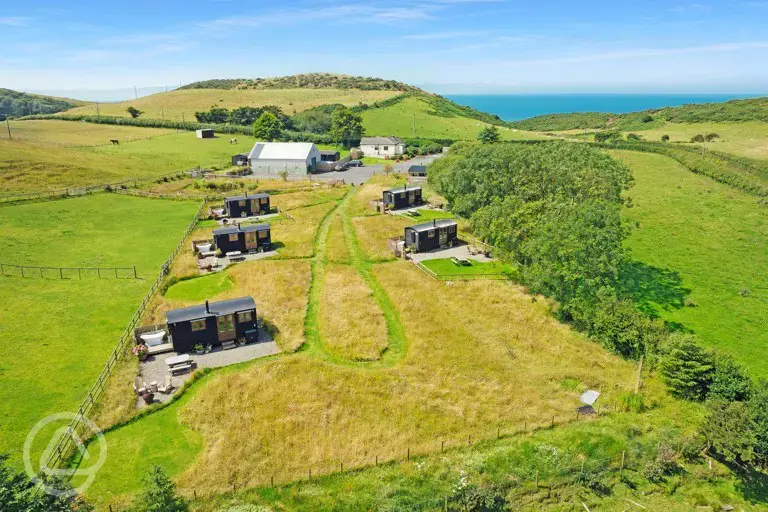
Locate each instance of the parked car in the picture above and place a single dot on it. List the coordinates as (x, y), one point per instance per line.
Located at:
(355, 163)
(341, 166)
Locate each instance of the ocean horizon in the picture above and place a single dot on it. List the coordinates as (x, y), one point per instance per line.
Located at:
(514, 107)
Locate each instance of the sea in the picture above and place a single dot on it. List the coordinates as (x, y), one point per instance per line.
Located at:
(513, 107)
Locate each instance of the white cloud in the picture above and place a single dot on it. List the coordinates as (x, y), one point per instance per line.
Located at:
(14, 21)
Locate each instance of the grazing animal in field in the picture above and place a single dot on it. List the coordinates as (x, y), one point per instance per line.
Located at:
(233, 141)
(114, 141)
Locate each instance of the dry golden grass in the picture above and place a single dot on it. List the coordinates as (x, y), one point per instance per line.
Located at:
(67, 133)
(360, 204)
(184, 103)
(118, 402)
(293, 200)
(280, 289)
(338, 252)
(351, 322)
(298, 236)
(372, 233)
(185, 264)
(480, 356)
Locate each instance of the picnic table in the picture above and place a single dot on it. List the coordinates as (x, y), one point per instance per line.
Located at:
(176, 360)
(235, 256)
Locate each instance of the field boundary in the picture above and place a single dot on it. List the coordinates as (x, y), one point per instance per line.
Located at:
(461, 277)
(66, 443)
(130, 272)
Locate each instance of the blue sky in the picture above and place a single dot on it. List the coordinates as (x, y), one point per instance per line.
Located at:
(444, 45)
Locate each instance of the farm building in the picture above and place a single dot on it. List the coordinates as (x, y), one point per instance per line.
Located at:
(205, 133)
(247, 205)
(241, 160)
(212, 323)
(431, 235)
(251, 238)
(382, 146)
(329, 155)
(290, 157)
(401, 197)
(417, 170)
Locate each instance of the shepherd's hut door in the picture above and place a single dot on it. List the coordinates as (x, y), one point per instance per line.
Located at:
(226, 325)
(443, 236)
(412, 197)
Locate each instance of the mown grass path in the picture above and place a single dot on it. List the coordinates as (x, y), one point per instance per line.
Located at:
(396, 339)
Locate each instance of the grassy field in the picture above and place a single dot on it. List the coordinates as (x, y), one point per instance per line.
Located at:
(183, 104)
(69, 133)
(470, 358)
(351, 323)
(705, 242)
(444, 267)
(62, 331)
(399, 119)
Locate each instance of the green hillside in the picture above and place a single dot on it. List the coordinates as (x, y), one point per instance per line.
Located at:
(16, 104)
(305, 81)
(754, 109)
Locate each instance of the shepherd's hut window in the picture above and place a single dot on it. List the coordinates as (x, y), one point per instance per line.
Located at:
(241, 202)
(431, 234)
(198, 325)
(233, 237)
(263, 234)
(263, 200)
(245, 316)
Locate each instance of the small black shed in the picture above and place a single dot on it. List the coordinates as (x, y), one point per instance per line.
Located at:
(402, 197)
(251, 238)
(431, 235)
(212, 323)
(205, 133)
(417, 170)
(241, 160)
(329, 155)
(247, 205)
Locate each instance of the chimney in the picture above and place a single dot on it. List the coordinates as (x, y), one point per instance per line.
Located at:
(207, 308)
(434, 223)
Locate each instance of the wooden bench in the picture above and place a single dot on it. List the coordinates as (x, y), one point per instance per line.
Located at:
(179, 368)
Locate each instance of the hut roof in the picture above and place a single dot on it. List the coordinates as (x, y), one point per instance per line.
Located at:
(437, 223)
(245, 229)
(403, 189)
(224, 307)
(247, 196)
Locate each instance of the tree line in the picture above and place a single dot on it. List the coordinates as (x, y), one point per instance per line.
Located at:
(554, 209)
(17, 104)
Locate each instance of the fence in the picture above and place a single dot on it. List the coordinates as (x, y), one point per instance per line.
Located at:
(79, 191)
(66, 444)
(11, 270)
(462, 277)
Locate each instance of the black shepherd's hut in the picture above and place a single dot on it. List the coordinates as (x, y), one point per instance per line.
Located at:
(417, 170)
(431, 235)
(251, 238)
(240, 160)
(402, 197)
(329, 155)
(247, 205)
(212, 323)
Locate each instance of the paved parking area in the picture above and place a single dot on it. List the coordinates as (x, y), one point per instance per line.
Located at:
(154, 368)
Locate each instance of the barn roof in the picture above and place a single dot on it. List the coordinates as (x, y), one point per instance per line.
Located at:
(245, 229)
(224, 307)
(427, 226)
(281, 151)
(403, 189)
(368, 141)
(250, 196)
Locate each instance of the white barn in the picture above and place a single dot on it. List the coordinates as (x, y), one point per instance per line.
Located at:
(382, 146)
(277, 157)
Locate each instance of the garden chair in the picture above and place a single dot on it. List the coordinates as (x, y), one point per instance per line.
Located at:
(167, 387)
(139, 386)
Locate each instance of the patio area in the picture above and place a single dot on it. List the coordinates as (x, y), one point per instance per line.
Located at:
(154, 370)
(211, 264)
(461, 252)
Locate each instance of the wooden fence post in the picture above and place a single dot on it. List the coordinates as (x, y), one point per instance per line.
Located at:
(61, 273)
(98, 270)
(442, 445)
(115, 272)
(623, 455)
(409, 454)
(41, 271)
(310, 473)
(377, 460)
(552, 425)
(272, 481)
(79, 273)
(134, 272)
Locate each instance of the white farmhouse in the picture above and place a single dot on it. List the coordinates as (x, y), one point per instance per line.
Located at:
(278, 157)
(382, 146)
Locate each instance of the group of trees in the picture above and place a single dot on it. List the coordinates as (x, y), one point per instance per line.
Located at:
(19, 493)
(489, 134)
(708, 137)
(243, 116)
(17, 104)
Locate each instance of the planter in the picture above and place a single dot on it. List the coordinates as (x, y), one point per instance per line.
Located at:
(148, 397)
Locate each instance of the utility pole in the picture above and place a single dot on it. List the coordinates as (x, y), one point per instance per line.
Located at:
(8, 124)
(162, 111)
(414, 125)
(135, 93)
(97, 110)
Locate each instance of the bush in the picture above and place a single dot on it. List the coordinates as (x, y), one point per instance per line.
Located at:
(729, 381)
(729, 429)
(688, 369)
(632, 402)
(698, 138)
(633, 137)
(665, 138)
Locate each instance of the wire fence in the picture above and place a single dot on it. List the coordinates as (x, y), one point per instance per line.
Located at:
(462, 276)
(31, 271)
(66, 445)
(68, 192)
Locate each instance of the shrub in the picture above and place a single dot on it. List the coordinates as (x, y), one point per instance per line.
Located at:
(665, 138)
(160, 494)
(647, 118)
(711, 136)
(729, 430)
(698, 138)
(632, 402)
(633, 137)
(729, 381)
(687, 368)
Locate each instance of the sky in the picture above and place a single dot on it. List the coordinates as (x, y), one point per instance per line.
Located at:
(446, 46)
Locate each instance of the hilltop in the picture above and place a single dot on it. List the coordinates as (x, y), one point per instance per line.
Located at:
(16, 104)
(305, 81)
(388, 107)
(738, 111)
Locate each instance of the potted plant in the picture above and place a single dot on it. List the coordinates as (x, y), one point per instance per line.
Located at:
(199, 349)
(148, 397)
(141, 351)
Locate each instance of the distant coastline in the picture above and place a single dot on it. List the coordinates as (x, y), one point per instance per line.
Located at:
(514, 107)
